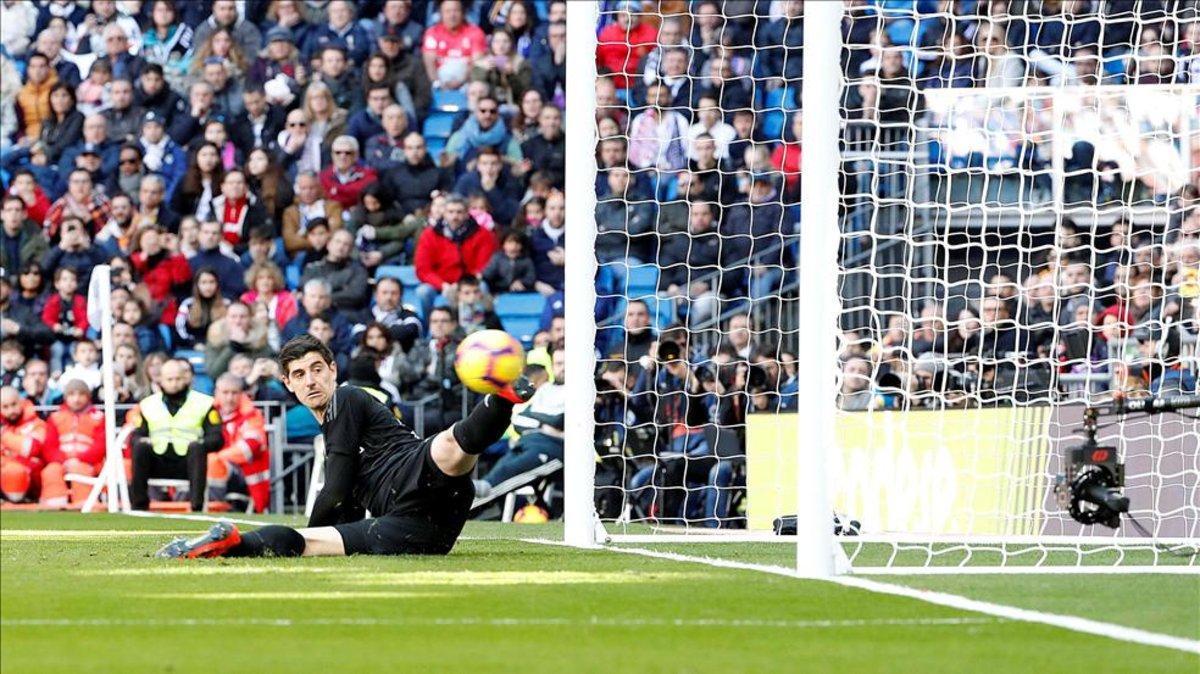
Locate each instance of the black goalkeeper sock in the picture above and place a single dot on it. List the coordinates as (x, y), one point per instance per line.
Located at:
(484, 425)
(270, 541)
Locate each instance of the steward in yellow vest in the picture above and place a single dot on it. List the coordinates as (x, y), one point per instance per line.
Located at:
(175, 430)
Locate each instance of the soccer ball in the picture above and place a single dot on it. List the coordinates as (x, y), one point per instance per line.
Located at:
(489, 360)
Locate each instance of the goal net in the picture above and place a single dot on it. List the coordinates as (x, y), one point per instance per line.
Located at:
(996, 229)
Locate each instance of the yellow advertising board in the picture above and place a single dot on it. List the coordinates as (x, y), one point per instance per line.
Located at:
(980, 471)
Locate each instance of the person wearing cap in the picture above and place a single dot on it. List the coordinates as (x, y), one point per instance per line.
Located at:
(281, 57)
(160, 153)
(81, 447)
(406, 66)
(343, 28)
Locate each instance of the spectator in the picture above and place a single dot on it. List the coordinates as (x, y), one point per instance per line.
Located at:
(344, 181)
(267, 287)
(316, 300)
(23, 329)
(337, 75)
(385, 149)
(440, 379)
(237, 333)
(136, 314)
(189, 122)
(475, 307)
(291, 15)
(343, 29)
(510, 269)
(225, 15)
(226, 89)
(21, 239)
(74, 250)
(310, 204)
(35, 385)
(407, 69)
(201, 183)
(151, 209)
(786, 157)
(411, 182)
(238, 212)
(508, 73)
(95, 141)
(213, 254)
(166, 275)
(397, 23)
(280, 62)
(160, 153)
(379, 240)
(197, 313)
(27, 440)
(84, 364)
(326, 121)
(154, 95)
(127, 179)
(547, 150)
(450, 248)
(856, 394)
(403, 325)
(656, 135)
(378, 72)
(490, 180)
(116, 236)
(623, 43)
(65, 313)
(30, 292)
(166, 40)
(450, 46)
(34, 97)
(25, 186)
(368, 121)
(483, 129)
(549, 246)
(342, 272)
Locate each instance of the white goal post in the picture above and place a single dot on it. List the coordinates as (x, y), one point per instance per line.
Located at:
(1056, 208)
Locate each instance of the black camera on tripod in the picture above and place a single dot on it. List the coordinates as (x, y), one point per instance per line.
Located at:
(1092, 486)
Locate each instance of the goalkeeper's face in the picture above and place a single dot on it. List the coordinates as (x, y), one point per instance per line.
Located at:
(311, 380)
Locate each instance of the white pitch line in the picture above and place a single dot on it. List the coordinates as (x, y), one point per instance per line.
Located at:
(595, 621)
(195, 518)
(1068, 622)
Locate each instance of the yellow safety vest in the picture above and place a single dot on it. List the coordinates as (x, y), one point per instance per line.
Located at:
(185, 427)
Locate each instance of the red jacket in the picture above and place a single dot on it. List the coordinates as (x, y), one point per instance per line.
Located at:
(244, 432)
(347, 194)
(29, 440)
(80, 436)
(619, 51)
(440, 259)
(52, 312)
(161, 277)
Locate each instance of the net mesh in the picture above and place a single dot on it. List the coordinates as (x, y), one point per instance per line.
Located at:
(1019, 235)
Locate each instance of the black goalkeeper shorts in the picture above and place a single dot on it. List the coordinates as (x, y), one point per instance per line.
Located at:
(425, 515)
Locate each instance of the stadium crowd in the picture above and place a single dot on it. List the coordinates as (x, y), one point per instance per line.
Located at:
(699, 155)
(372, 173)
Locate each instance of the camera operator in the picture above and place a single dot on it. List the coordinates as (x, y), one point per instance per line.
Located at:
(670, 395)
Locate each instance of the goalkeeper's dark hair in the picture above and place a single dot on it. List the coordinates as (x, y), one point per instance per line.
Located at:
(299, 347)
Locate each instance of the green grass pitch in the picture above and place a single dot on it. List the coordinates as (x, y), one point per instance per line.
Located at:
(81, 594)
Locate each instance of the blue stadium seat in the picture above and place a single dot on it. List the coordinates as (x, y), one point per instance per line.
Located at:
(196, 358)
(434, 146)
(449, 100)
(642, 281)
(439, 125)
(405, 274)
(521, 314)
(292, 276)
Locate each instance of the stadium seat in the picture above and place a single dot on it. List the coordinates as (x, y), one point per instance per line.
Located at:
(434, 146)
(196, 358)
(405, 274)
(449, 100)
(204, 384)
(439, 125)
(521, 314)
(642, 281)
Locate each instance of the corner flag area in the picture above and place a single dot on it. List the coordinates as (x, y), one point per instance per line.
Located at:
(83, 594)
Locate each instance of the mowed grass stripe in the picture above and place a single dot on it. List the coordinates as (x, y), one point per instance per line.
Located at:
(598, 621)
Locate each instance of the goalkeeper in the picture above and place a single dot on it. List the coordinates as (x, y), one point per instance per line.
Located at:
(418, 491)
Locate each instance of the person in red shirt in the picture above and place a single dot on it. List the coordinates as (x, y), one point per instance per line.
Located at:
(164, 273)
(345, 181)
(36, 202)
(450, 46)
(450, 248)
(24, 440)
(786, 157)
(81, 444)
(622, 44)
(65, 313)
(244, 436)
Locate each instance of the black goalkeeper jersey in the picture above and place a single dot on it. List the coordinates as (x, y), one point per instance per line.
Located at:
(370, 457)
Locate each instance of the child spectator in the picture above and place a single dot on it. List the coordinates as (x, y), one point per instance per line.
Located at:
(510, 269)
(92, 94)
(475, 307)
(86, 365)
(144, 329)
(66, 314)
